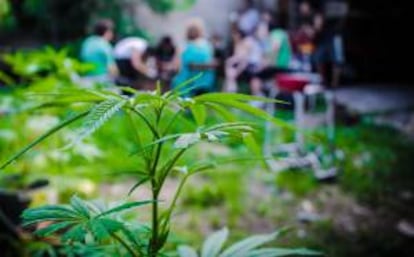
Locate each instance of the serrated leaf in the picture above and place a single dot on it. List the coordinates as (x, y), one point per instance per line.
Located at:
(241, 248)
(47, 231)
(278, 252)
(48, 213)
(178, 89)
(186, 251)
(214, 243)
(98, 230)
(80, 206)
(98, 116)
(103, 229)
(77, 234)
(159, 141)
(217, 97)
(187, 140)
(254, 111)
(231, 126)
(199, 113)
(124, 207)
(111, 225)
(254, 147)
(222, 112)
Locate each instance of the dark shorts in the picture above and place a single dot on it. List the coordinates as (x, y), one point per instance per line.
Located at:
(264, 74)
(127, 71)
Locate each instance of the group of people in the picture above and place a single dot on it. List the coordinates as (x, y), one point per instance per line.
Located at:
(260, 47)
(133, 62)
(263, 47)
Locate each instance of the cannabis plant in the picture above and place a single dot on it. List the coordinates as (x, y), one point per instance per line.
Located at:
(249, 247)
(159, 123)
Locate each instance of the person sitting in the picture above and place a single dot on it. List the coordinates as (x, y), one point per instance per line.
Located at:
(131, 54)
(249, 18)
(197, 59)
(248, 63)
(236, 66)
(97, 50)
(166, 57)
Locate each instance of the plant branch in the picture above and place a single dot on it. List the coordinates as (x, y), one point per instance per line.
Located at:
(138, 139)
(124, 244)
(177, 194)
(168, 166)
(147, 122)
(167, 128)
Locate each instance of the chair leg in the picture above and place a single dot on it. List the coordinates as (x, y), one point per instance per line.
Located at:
(270, 109)
(299, 102)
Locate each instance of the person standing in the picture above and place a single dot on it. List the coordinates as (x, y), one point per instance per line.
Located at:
(97, 50)
(329, 55)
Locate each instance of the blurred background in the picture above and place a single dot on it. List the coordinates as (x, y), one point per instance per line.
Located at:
(347, 188)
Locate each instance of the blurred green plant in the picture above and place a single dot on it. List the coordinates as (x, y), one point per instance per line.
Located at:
(249, 247)
(70, 19)
(160, 147)
(4, 8)
(88, 222)
(299, 182)
(45, 66)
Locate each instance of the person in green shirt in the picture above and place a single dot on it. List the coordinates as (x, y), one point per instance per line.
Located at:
(281, 50)
(97, 50)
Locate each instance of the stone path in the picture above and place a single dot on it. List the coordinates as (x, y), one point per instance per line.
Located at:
(390, 104)
(368, 99)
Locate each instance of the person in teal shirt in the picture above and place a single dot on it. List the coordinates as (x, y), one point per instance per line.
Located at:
(97, 50)
(197, 59)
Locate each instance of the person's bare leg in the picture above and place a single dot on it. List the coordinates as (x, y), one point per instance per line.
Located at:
(256, 86)
(230, 83)
(256, 90)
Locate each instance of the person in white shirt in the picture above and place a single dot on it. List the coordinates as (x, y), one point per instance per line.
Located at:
(131, 55)
(249, 18)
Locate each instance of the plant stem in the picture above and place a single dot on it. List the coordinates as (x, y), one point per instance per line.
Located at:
(124, 244)
(154, 238)
(147, 122)
(169, 165)
(155, 192)
(177, 194)
(138, 138)
(156, 188)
